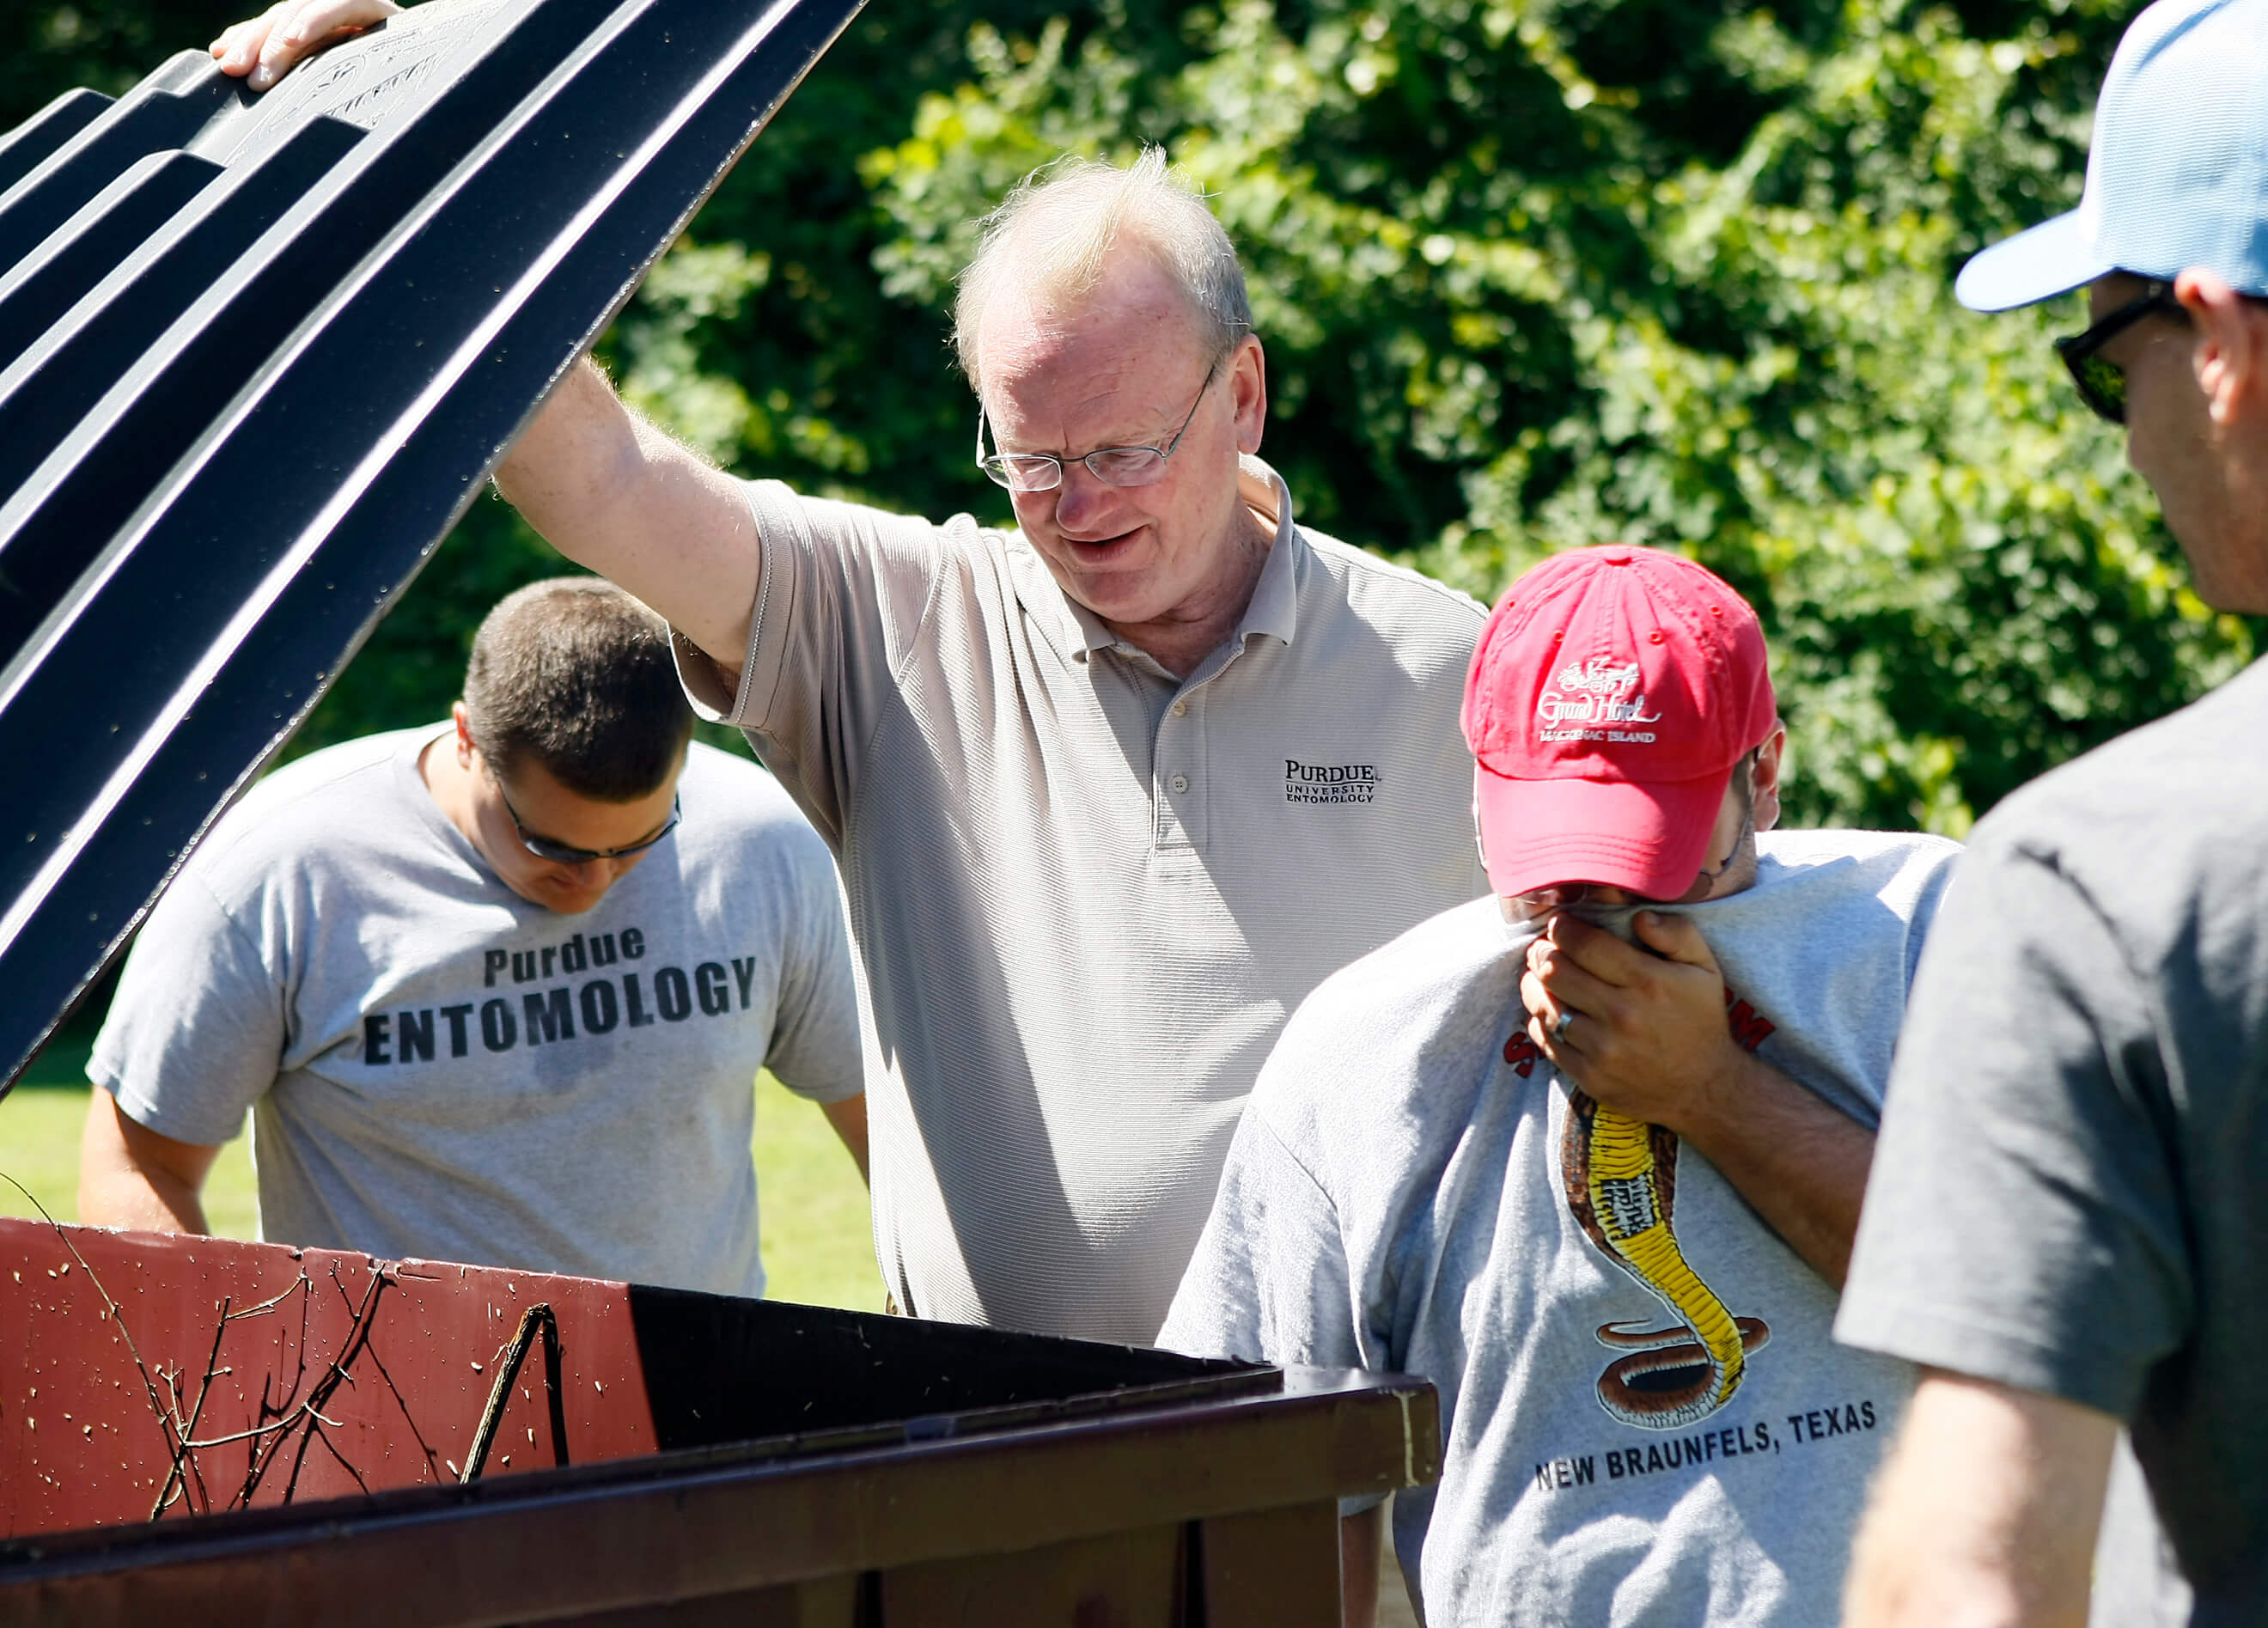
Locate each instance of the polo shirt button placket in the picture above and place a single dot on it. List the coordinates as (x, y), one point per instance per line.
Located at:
(1174, 744)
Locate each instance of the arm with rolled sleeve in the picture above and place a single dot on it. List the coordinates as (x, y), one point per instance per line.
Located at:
(2022, 1240)
(787, 611)
(196, 1034)
(843, 594)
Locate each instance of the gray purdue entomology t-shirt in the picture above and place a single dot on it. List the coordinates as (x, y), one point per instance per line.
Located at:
(438, 1067)
(1086, 894)
(1644, 1418)
(2071, 1195)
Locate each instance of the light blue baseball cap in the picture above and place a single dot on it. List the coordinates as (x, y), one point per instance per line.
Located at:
(2178, 171)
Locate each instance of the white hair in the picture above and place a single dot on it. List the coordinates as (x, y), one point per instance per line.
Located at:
(1054, 233)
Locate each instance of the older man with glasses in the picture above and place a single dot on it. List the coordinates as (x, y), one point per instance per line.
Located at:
(2065, 1218)
(1110, 792)
(516, 1026)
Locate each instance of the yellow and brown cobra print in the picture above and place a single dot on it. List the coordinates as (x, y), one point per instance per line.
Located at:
(1621, 1181)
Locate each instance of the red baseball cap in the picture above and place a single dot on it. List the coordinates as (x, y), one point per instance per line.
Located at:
(1612, 693)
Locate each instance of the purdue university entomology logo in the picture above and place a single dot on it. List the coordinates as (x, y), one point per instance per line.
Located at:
(1331, 783)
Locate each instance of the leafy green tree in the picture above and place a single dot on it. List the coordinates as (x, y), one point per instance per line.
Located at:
(1534, 276)
(1531, 273)
(106, 45)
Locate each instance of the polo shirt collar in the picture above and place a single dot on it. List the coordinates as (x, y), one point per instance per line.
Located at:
(1275, 608)
(1273, 611)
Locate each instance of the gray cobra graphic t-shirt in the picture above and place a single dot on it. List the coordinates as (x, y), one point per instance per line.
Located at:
(1644, 1418)
(438, 1067)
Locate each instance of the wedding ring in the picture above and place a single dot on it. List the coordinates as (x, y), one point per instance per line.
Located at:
(1559, 1029)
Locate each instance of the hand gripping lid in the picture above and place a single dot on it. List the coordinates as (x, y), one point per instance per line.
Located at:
(1612, 692)
(2176, 173)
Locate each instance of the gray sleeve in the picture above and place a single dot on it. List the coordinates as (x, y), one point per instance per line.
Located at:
(842, 591)
(197, 1031)
(814, 1049)
(1938, 871)
(2022, 1222)
(1270, 1281)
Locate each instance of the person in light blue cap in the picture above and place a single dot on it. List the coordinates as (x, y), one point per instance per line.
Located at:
(2067, 1224)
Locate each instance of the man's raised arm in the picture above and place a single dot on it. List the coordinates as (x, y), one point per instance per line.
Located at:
(611, 491)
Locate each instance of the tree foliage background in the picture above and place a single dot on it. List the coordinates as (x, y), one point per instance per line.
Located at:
(1530, 273)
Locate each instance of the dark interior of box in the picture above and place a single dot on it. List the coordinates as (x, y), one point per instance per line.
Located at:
(722, 1370)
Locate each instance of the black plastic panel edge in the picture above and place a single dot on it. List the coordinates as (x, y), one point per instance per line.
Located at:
(208, 627)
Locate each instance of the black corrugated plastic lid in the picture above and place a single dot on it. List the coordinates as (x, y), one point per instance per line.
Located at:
(256, 356)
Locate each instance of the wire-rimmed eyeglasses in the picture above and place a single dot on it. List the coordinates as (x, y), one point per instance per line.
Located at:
(1112, 465)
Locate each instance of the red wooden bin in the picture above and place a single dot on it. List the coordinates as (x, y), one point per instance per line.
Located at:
(651, 1455)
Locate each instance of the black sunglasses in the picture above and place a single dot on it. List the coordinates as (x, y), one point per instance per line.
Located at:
(2102, 383)
(560, 853)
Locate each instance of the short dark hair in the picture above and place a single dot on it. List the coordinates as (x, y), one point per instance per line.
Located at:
(576, 675)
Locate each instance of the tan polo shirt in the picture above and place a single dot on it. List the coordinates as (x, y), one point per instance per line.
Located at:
(1086, 894)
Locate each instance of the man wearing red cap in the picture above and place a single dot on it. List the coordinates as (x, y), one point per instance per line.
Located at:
(1589, 1154)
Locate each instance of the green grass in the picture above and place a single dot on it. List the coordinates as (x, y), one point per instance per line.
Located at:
(817, 1241)
(818, 1234)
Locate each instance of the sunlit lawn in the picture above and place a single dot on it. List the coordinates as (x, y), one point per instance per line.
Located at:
(817, 1245)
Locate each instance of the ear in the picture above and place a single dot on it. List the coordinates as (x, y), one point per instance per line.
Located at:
(1247, 391)
(2231, 359)
(466, 750)
(1764, 779)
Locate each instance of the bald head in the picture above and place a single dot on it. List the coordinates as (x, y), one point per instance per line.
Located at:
(1129, 328)
(1076, 233)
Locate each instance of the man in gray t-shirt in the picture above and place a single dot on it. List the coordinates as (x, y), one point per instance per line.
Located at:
(495, 991)
(1592, 1169)
(2066, 1219)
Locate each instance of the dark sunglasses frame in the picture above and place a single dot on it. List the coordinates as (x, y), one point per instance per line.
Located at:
(2102, 383)
(559, 853)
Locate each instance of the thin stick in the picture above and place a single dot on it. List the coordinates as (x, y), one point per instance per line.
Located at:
(325, 1436)
(394, 1391)
(477, 1457)
(111, 1309)
(326, 1385)
(555, 1391)
(181, 1452)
